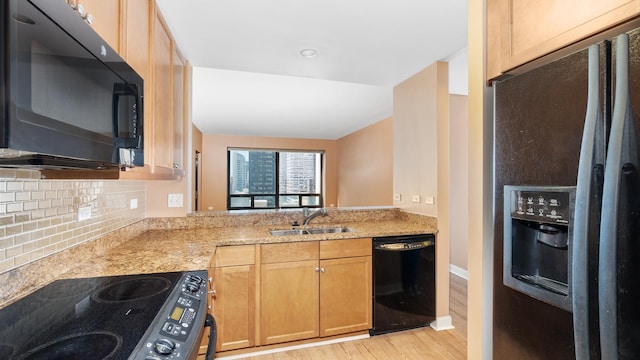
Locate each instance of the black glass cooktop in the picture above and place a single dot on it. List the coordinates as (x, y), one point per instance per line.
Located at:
(89, 318)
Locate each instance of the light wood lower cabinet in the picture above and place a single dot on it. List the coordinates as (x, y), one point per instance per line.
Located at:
(345, 300)
(327, 294)
(234, 307)
(277, 293)
(289, 296)
(233, 297)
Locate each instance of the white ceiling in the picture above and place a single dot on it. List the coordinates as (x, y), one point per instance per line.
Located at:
(250, 79)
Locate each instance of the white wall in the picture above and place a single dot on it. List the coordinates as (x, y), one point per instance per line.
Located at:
(459, 72)
(421, 161)
(459, 130)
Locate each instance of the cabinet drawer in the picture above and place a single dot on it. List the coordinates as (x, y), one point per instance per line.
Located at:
(333, 249)
(235, 255)
(295, 251)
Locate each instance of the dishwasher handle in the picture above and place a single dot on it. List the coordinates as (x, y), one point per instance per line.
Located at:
(404, 246)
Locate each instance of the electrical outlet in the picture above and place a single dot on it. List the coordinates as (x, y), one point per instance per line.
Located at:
(133, 204)
(174, 200)
(397, 197)
(84, 213)
(429, 200)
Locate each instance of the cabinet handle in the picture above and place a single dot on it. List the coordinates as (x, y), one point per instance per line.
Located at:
(213, 293)
(83, 14)
(80, 10)
(322, 270)
(317, 269)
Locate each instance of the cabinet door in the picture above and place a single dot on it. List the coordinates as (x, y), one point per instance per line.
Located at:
(519, 31)
(288, 301)
(138, 28)
(178, 111)
(137, 19)
(162, 114)
(234, 306)
(105, 15)
(345, 295)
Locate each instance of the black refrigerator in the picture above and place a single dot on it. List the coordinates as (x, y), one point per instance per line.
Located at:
(567, 207)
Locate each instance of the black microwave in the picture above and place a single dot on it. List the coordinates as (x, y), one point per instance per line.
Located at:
(67, 99)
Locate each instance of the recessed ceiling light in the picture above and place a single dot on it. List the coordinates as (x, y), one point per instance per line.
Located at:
(309, 53)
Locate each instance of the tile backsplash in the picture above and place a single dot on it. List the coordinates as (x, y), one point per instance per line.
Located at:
(40, 217)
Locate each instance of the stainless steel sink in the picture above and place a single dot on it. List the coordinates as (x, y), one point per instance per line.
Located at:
(287, 232)
(332, 230)
(306, 231)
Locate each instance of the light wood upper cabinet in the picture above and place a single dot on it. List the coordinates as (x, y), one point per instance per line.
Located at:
(104, 16)
(136, 34)
(161, 146)
(150, 49)
(179, 92)
(519, 31)
(136, 51)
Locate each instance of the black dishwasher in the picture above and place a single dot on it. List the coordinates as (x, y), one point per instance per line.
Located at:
(404, 282)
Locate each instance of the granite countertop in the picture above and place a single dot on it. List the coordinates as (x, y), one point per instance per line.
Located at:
(191, 249)
(186, 244)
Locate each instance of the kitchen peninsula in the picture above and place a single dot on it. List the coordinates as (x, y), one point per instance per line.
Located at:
(187, 243)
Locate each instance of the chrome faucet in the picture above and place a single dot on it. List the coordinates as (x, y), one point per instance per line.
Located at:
(308, 217)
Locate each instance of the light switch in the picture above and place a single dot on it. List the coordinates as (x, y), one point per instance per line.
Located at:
(174, 200)
(133, 204)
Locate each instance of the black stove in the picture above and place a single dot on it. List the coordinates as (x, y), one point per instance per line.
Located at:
(151, 316)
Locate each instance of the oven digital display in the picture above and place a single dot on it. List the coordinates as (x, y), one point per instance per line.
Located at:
(176, 314)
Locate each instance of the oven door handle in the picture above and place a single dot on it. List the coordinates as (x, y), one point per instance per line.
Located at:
(213, 333)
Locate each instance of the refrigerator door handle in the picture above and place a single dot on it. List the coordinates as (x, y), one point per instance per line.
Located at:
(580, 242)
(607, 268)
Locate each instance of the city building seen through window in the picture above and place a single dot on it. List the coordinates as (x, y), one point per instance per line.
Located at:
(274, 179)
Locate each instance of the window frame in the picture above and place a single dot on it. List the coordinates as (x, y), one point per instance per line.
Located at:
(277, 193)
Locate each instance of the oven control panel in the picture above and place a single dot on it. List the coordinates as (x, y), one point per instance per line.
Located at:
(177, 330)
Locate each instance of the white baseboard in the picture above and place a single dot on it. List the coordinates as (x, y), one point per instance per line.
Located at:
(442, 323)
(458, 271)
(293, 347)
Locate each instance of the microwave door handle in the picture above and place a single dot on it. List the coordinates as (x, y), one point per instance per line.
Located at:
(607, 267)
(140, 116)
(119, 90)
(580, 241)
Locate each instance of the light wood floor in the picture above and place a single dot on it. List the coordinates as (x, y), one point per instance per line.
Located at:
(424, 343)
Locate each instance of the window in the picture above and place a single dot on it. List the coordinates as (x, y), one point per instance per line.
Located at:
(274, 179)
